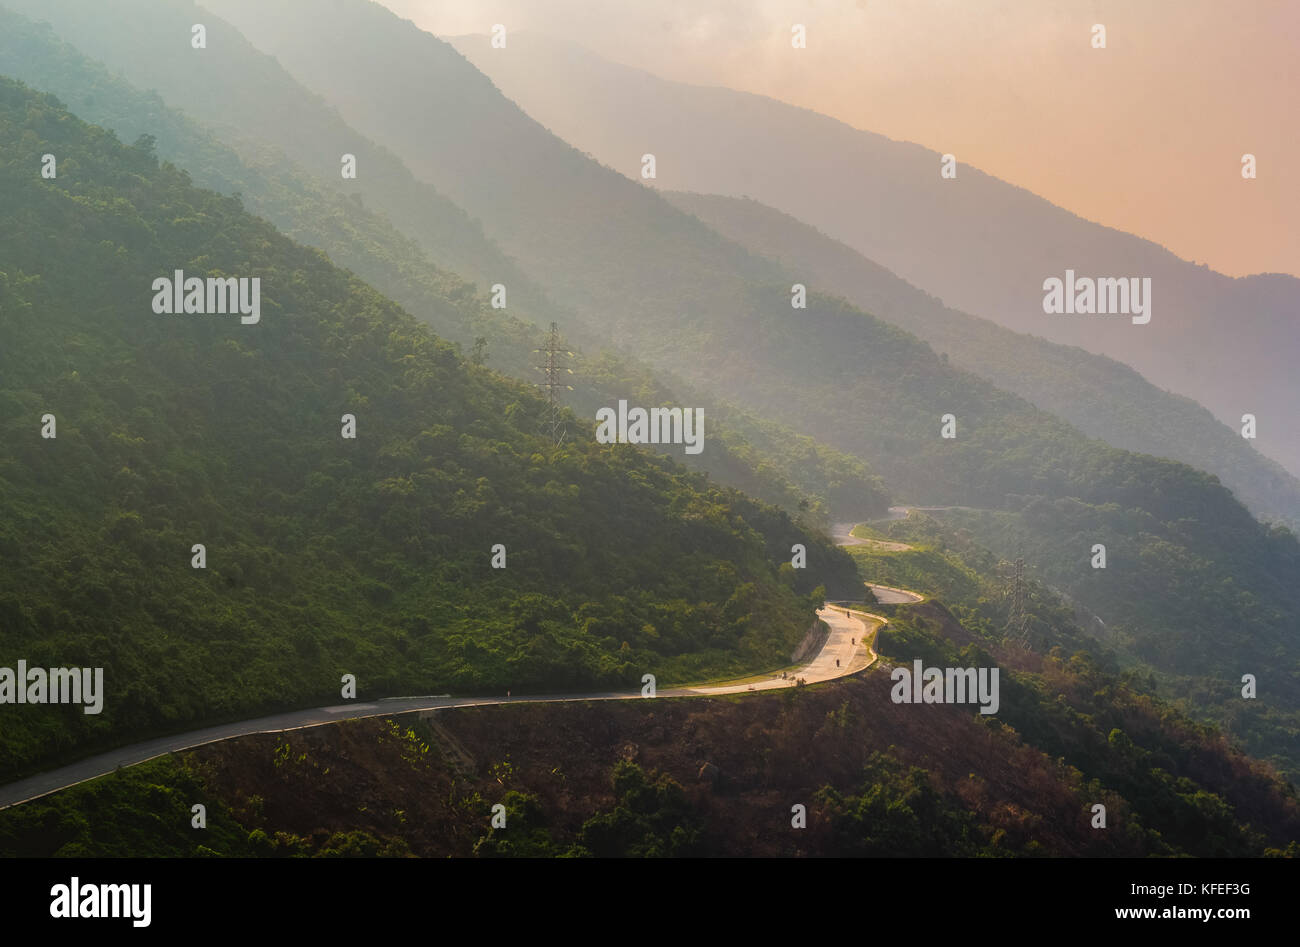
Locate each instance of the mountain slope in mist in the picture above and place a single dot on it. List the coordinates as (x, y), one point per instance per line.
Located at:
(765, 460)
(1102, 397)
(980, 244)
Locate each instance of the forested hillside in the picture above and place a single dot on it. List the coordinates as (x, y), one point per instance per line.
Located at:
(765, 460)
(324, 555)
(1199, 569)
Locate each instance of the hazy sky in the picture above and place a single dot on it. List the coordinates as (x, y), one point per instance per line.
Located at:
(1145, 135)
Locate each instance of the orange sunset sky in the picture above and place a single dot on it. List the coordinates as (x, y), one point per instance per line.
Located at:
(1146, 135)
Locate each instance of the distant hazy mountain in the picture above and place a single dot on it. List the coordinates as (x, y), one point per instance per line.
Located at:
(1102, 397)
(980, 244)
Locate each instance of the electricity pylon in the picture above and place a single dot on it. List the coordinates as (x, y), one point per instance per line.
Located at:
(552, 423)
(1018, 620)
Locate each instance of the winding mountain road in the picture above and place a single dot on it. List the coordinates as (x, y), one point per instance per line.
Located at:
(845, 651)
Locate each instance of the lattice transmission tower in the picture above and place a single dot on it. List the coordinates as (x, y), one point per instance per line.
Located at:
(552, 423)
(1018, 620)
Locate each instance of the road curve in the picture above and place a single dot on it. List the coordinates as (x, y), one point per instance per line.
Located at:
(842, 533)
(846, 651)
(888, 595)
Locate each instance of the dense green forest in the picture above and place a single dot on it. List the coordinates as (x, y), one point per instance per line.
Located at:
(763, 459)
(325, 555)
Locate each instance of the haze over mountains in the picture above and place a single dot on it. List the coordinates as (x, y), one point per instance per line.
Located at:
(374, 556)
(1115, 406)
(981, 245)
(685, 300)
